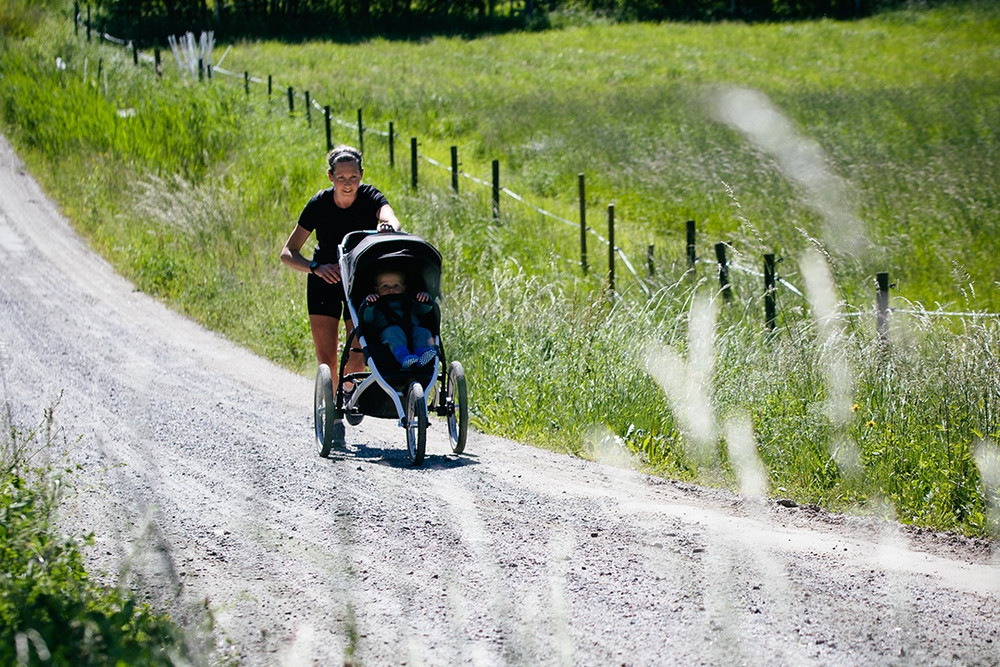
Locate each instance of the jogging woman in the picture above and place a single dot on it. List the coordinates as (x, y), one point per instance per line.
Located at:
(347, 206)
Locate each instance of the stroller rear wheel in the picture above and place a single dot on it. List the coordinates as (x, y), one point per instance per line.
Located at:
(458, 411)
(327, 418)
(416, 423)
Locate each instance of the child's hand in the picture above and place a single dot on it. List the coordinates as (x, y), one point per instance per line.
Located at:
(423, 297)
(371, 298)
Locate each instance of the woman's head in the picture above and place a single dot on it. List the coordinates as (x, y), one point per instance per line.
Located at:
(345, 172)
(343, 154)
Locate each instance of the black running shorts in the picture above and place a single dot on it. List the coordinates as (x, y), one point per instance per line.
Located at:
(323, 298)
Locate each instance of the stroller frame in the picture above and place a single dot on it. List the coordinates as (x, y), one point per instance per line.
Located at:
(385, 390)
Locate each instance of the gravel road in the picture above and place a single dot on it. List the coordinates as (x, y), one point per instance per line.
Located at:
(202, 484)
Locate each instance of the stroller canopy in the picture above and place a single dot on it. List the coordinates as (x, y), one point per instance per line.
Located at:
(365, 254)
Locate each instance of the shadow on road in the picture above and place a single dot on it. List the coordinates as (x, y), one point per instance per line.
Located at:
(397, 457)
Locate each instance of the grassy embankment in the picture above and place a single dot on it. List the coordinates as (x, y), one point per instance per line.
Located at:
(890, 141)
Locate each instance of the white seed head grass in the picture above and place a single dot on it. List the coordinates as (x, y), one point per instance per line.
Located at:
(800, 159)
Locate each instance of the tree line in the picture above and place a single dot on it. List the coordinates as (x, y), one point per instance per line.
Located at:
(153, 20)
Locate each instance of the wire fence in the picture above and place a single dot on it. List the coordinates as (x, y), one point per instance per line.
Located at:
(193, 57)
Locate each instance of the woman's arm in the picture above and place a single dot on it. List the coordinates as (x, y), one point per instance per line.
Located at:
(387, 220)
(291, 255)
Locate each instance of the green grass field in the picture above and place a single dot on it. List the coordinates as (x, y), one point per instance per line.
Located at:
(846, 149)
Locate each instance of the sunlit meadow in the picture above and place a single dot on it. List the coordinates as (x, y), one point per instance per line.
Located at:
(844, 148)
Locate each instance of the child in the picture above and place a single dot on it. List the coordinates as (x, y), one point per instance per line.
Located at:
(396, 309)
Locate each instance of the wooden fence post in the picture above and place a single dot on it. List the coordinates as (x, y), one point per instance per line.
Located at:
(720, 254)
(692, 256)
(454, 168)
(413, 162)
(246, 82)
(769, 292)
(158, 63)
(583, 224)
(76, 18)
(392, 145)
(269, 86)
(135, 54)
(611, 247)
(329, 133)
(882, 306)
(496, 189)
(291, 100)
(309, 119)
(649, 260)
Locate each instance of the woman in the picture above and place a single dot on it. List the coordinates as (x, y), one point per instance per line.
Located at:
(349, 205)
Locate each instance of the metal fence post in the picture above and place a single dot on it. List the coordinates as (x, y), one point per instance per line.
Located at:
(583, 224)
(882, 306)
(361, 134)
(769, 292)
(454, 168)
(611, 247)
(720, 254)
(392, 145)
(413, 162)
(329, 133)
(692, 256)
(496, 189)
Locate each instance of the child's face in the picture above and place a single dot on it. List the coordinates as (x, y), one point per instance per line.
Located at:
(390, 283)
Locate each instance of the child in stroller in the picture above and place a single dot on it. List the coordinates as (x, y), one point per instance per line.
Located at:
(401, 320)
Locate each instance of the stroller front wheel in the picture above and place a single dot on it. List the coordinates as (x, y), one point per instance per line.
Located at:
(458, 409)
(416, 423)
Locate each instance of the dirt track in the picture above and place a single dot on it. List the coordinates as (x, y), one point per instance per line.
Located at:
(202, 484)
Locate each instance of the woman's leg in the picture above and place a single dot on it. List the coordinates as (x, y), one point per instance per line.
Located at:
(326, 338)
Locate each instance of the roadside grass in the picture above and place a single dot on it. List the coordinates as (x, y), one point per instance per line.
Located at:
(191, 196)
(51, 611)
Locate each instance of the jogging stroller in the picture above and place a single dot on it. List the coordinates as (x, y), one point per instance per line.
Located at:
(386, 390)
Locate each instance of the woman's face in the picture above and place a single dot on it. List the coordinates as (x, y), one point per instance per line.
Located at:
(345, 176)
